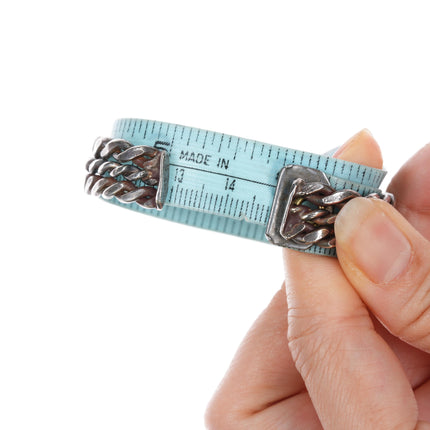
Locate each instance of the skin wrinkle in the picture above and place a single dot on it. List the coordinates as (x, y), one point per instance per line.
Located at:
(276, 403)
(357, 319)
(331, 348)
(293, 413)
(416, 363)
(347, 403)
(412, 320)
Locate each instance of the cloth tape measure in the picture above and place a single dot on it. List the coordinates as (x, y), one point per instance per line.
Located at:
(227, 184)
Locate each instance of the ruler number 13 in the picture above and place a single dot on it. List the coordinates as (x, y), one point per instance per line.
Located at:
(230, 184)
(179, 175)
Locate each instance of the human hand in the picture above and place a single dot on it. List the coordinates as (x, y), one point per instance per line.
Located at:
(343, 366)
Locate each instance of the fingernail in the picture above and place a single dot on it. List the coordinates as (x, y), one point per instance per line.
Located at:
(369, 238)
(349, 144)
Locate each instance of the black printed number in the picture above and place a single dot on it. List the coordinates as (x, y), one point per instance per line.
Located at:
(230, 184)
(179, 175)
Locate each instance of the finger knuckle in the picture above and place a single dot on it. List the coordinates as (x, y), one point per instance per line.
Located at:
(317, 338)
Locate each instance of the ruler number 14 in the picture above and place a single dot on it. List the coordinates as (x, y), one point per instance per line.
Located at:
(230, 184)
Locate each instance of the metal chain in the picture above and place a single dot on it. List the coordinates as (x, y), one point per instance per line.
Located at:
(314, 210)
(132, 173)
(131, 177)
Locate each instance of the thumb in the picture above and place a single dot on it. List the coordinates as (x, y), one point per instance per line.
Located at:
(388, 263)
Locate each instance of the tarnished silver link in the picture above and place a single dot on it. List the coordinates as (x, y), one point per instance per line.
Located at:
(305, 208)
(131, 174)
(114, 146)
(316, 226)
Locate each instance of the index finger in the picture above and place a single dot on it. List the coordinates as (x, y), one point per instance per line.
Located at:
(352, 376)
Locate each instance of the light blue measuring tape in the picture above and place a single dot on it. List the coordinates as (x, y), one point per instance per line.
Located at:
(227, 184)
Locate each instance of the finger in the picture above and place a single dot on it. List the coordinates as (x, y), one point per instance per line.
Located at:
(410, 187)
(388, 262)
(352, 376)
(362, 149)
(263, 372)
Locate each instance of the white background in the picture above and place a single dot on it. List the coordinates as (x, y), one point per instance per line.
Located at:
(113, 320)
